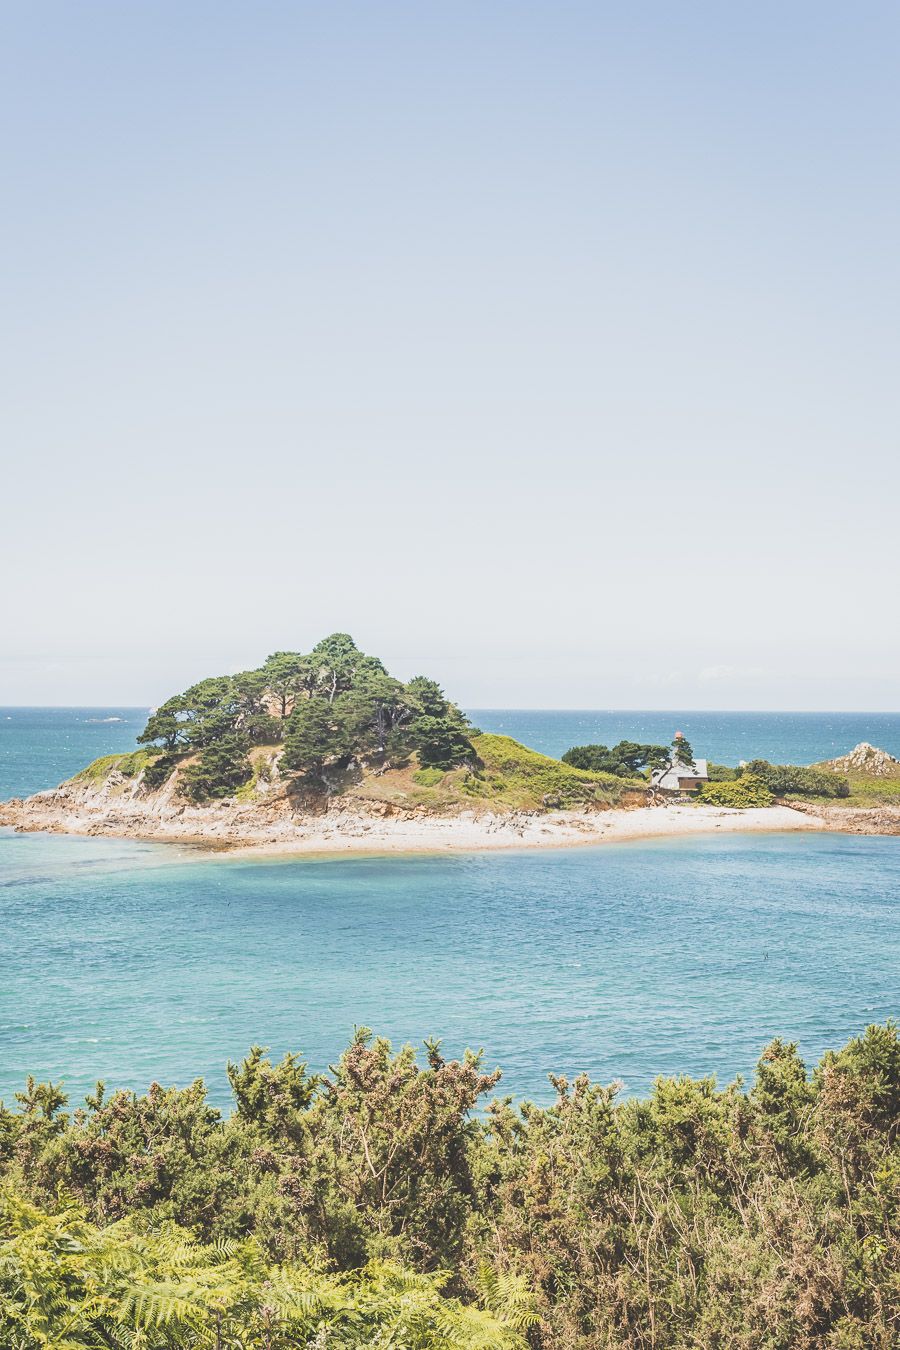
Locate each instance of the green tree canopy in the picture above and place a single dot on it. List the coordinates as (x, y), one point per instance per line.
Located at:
(681, 751)
(335, 661)
(167, 725)
(625, 759)
(441, 743)
(222, 767)
(328, 706)
(315, 734)
(428, 697)
(287, 675)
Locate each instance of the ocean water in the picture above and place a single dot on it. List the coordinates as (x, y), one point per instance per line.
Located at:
(132, 962)
(39, 747)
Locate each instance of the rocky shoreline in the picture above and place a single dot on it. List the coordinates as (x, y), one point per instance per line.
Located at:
(274, 824)
(880, 819)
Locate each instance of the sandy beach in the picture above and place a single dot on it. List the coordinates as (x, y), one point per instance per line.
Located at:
(473, 833)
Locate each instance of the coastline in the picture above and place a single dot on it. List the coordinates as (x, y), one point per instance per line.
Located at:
(275, 824)
(236, 830)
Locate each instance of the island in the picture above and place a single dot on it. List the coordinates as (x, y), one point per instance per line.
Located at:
(327, 752)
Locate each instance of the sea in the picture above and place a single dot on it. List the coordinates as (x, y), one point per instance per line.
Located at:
(135, 962)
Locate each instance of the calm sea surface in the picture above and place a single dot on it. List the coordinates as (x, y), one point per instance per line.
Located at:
(135, 962)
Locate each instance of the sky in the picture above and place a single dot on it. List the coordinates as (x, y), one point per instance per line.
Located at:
(550, 349)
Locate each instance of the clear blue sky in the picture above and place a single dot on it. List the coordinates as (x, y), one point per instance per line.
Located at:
(551, 349)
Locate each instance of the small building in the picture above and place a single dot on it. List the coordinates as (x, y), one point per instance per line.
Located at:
(680, 777)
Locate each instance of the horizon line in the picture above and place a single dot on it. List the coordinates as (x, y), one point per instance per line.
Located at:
(793, 712)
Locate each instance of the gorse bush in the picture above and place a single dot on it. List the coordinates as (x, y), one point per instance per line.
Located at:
(743, 792)
(375, 1206)
(428, 777)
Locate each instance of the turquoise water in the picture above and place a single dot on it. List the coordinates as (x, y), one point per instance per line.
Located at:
(135, 962)
(39, 747)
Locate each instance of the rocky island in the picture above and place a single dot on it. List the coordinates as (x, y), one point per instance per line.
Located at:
(326, 751)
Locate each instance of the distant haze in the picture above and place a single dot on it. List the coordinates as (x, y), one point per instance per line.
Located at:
(549, 349)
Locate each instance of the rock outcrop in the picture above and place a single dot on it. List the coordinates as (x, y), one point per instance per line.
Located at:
(867, 759)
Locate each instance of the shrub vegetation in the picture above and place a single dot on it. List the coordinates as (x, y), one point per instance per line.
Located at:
(743, 792)
(796, 780)
(68, 1284)
(722, 773)
(128, 765)
(333, 1210)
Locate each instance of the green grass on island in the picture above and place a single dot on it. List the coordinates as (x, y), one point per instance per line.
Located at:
(506, 775)
(869, 791)
(128, 765)
(517, 776)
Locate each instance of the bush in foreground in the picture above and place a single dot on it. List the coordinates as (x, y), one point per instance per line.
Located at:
(699, 1217)
(68, 1284)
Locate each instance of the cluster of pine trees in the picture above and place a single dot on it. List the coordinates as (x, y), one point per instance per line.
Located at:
(326, 707)
(377, 1205)
(627, 759)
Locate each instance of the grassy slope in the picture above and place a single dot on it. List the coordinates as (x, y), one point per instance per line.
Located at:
(512, 778)
(129, 765)
(866, 790)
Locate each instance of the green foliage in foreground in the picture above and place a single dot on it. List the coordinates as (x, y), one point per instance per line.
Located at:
(64, 1282)
(743, 792)
(760, 1219)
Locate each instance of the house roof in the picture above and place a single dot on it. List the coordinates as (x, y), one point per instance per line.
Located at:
(670, 777)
